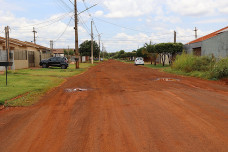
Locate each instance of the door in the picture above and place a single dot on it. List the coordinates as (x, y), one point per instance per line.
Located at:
(31, 59)
(197, 51)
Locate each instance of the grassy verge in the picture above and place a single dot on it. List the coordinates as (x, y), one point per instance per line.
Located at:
(158, 66)
(199, 74)
(206, 67)
(27, 85)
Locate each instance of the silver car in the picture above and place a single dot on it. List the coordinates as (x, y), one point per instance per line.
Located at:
(139, 61)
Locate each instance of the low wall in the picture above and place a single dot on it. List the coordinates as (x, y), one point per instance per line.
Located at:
(21, 64)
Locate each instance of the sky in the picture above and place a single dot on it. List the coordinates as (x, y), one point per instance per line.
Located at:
(122, 24)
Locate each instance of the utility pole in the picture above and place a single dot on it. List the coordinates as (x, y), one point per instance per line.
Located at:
(7, 42)
(196, 32)
(103, 50)
(92, 42)
(76, 35)
(68, 50)
(7, 49)
(99, 38)
(34, 35)
(51, 45)
(175, 37)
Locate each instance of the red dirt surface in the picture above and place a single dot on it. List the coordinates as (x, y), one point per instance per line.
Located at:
(124, 110)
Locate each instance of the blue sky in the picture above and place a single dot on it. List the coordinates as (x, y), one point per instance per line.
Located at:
(123, 24)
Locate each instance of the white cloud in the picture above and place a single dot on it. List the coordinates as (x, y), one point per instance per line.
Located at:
(170, 19)
(98, 13)
(185, 35)
(222, 6)
(198, 7)
(125, 41)
(191, 7)
(129, 8)
(216, 20)
(21, 28)
(135, 8)
(6, 6)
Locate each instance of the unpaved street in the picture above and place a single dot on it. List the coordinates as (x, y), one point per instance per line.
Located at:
(124, 110)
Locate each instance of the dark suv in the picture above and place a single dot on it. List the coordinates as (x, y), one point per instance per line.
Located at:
(55, 61)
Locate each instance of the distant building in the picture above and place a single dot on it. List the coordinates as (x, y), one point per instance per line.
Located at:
(23, 54)
(215, 43)
(58, 52)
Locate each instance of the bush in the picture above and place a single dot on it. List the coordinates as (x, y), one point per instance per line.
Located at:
(189, 63)
(220, 69)
(2, 102)
(201, 66)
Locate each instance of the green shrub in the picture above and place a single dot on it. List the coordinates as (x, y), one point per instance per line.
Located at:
(183, 62)
(2, 102)
(189, 63)
(220, 69)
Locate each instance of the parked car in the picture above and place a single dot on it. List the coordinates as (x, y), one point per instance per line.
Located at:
(139, 61)
(55, 61)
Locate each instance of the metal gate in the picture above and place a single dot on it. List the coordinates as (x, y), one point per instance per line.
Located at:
(31, 59)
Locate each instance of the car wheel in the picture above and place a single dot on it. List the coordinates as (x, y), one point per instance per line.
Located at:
(63, 67)
(44, 66)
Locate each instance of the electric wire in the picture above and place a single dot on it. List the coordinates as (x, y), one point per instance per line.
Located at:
(81, 20)
(64, 30)
(46, 23)
(90, 16)
(71, 2)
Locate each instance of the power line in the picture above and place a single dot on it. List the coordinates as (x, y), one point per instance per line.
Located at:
(64, 30)
(84, 24)
(52, 21)
(90, 16)
(71, 2)
(121, 26)
(66, 5)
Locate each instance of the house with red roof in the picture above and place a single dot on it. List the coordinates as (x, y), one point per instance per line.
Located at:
(23, 54)
(215, 43)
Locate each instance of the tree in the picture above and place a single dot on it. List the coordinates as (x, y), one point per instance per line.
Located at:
(130, 55)
(85, 49)
(162, 50)
(169, 49)
(151, 52)
(68, 52)
(141, 52)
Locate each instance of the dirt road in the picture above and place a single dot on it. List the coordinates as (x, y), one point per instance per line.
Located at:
(124, 110)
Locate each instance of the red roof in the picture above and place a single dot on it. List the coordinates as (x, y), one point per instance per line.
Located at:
(208, 36)
(22, 43)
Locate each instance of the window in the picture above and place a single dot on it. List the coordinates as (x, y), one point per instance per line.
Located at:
(20, 55)
(52, 59)
(59, 59)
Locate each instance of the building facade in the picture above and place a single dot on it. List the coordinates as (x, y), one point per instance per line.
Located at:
(23, 54)
(215, 44)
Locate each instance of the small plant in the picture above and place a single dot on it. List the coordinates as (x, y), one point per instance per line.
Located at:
(189, 63)
(2, 102)
(220, 69)
(201, 66)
